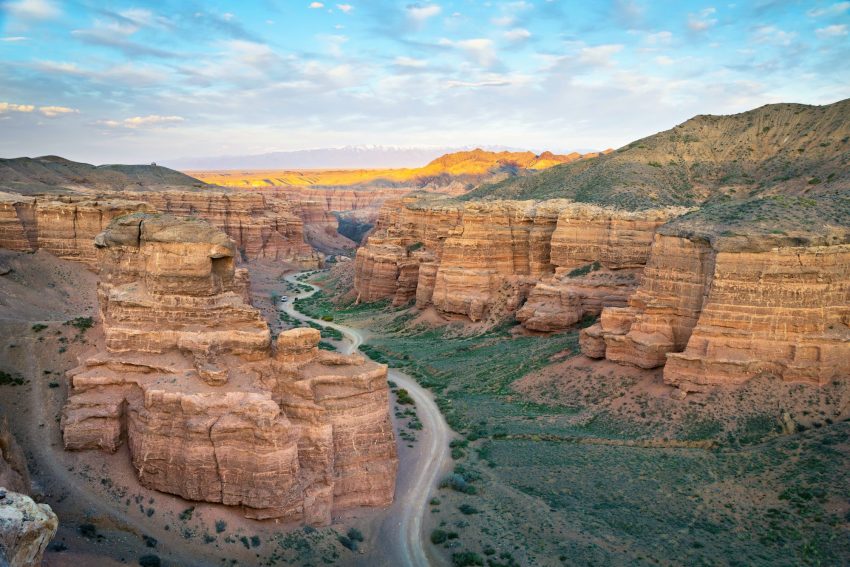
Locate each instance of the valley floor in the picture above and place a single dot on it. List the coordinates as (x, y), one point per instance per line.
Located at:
(562, 460)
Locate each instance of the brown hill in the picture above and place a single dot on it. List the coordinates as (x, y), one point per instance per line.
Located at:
(48, 174)
(775, 149)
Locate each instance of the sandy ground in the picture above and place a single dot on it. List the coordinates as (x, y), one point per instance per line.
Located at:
(92, 488)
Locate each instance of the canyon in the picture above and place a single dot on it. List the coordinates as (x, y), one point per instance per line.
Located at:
(210, 407)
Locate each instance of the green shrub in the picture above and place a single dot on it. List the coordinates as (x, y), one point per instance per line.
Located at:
(466, 558)
(38, 327)
(404, 397)
(355, 535)
(584, 270)
(467, 509)
(220, 526)
(81, 323)
(186, 514)
(149, 561)
(439, 536)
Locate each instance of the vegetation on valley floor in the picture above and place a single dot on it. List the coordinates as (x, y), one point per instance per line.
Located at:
(534, 481)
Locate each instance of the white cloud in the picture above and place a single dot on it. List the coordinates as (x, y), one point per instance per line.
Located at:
(13, 39)
(33, 9)
(403, 61)
(316, 5)
(54, 111)
(12, 107)
(151, 120)
(702, 20)
(517, 34)
(48, 111)
(838, 30)
(772, 34)
(420, 13)
(503, 21)
(479, 49)
(345, 8)
(833, 10)
(659, 38)
(664, 60)
(599, 55)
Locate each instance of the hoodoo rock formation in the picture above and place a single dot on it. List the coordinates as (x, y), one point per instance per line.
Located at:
(209, 408)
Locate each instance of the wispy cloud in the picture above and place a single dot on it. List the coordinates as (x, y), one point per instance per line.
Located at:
(345, 8)
(837, 30)
(834, 10)
(702, 20)
(48, 111)
(479, 49)
(32, 10)
(421, 13)
(517, 34)
(149, 121)
(14, 38)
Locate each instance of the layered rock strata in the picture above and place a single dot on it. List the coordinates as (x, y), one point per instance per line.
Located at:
(599, 255)
(208, 407)
(64, 226)
(719, 311)
(568, 259)
(264, 227)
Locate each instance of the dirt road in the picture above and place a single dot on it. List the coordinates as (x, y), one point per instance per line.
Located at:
(402, 529)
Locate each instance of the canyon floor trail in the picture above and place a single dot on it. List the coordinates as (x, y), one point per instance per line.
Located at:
(402, 529)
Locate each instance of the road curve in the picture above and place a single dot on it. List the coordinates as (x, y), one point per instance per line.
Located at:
(404, 529)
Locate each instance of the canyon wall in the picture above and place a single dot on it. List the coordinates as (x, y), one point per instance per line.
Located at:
(210, 409)
(718, 311)
(484, 259)
(264, 227)
(598, 256)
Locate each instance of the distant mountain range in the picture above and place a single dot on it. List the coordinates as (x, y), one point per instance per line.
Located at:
(348, 157)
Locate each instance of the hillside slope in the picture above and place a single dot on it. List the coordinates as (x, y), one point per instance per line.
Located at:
(775, 149)
(53, 174)
(470, 167)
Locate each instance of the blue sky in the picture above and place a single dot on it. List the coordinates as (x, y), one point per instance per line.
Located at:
(141, 81)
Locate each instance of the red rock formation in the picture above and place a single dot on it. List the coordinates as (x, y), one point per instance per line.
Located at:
(598, 255)
(785, 311)
(189, 381)
(262, 225)
(498, 253)
(409, 232)
(64, 226)
(719, 311)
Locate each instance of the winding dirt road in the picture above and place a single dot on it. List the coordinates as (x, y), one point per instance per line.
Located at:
(402, 530)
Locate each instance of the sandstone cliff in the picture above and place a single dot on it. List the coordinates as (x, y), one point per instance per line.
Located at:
(209, 408)
(264, 227)
(719, 306)
(598, 255)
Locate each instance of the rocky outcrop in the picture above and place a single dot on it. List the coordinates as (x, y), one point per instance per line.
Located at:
(210, 409)
(409, 233)
(598, 255)
(497, 254)
(482, 259)
(784, 311)
(64, 226)
(719, 310)
(26, 529)
(262, 225)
